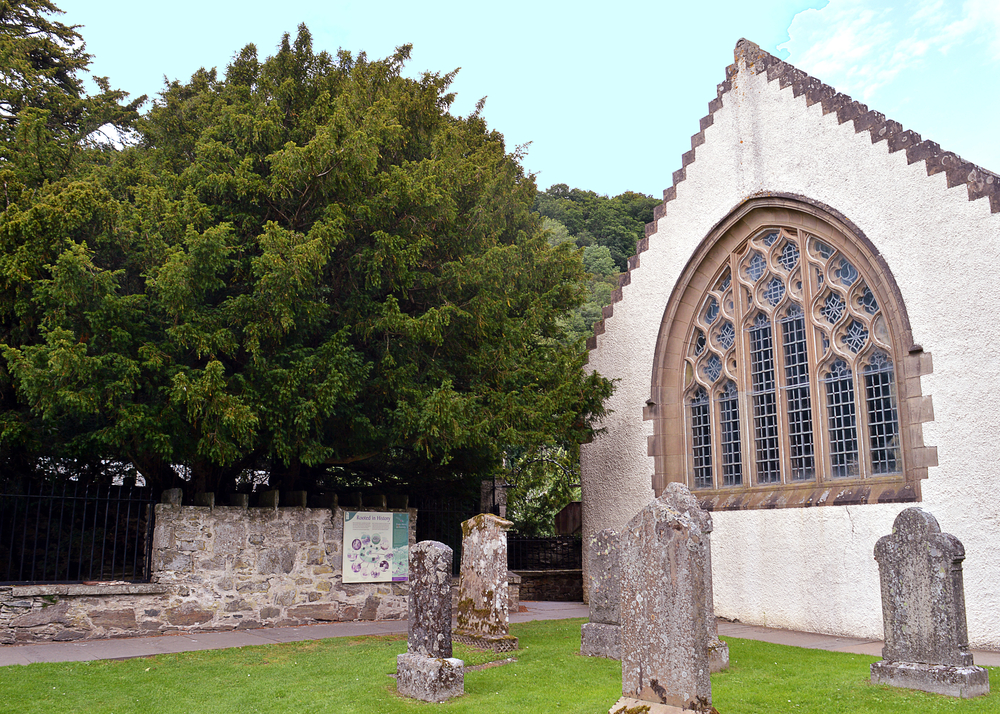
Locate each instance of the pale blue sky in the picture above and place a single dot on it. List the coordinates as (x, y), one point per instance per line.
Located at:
(608, 96)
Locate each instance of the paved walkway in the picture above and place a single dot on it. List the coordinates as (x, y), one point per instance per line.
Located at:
(126, 648)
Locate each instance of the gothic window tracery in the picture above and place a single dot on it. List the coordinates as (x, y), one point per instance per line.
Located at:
(797, 381)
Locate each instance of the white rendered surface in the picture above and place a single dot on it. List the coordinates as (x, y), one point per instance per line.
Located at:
(813, 569)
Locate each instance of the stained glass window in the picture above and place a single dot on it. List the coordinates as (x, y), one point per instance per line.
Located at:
(711, 311)
(800, 432)
(842, 421)
(833, 308)
(856, 336)
(883, 420)
(702, 431)
(756, 267)
(727, 335)
(765, 409)
(819, 400)
(789, 256)
(732, 467)
(775, 291)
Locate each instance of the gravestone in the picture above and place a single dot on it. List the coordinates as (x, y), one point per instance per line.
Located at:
(483, 590)
(601, 637)
(427, 671)
(663, 555)
(923, 610)
(680, 498)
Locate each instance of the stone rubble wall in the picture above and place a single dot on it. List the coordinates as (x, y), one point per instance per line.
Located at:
(552, 585)
(213, 569)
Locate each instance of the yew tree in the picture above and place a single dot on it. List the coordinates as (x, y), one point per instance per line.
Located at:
(307, 267)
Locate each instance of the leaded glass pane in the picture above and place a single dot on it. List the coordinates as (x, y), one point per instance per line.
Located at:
(841, 421)
(775, 291)
(822, 248)
(711, 311)
(724, 283)
(789, 256)
(868, 301)
(883, 420)
(765, 408)
(732, 467)
(770, 238)
(856, 336)
(701, 436)
(819, 277)
(726, 335)
(800, 431)
(756, 266)
(699, 342)
(833, 308)
(847, 273)
(713, 367)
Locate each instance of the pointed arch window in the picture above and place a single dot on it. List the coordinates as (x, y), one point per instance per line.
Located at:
(791, 372)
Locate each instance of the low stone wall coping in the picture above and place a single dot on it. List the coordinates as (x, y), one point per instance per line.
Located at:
(82, 590)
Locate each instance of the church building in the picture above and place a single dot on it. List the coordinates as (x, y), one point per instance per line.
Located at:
(799, 340)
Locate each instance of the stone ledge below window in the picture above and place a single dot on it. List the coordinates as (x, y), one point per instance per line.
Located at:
(841, 493)
(79, 589)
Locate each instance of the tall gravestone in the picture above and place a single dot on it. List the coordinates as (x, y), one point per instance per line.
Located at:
(427, 671)
(680, 498)
(665, 664)
(601, 637)
(923, 610)
(483, 620)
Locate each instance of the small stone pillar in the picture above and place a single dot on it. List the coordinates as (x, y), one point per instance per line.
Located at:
(601, 637)
(665, 666)
(483, 620)
(427, 671)
(923, 610)
(681, 499)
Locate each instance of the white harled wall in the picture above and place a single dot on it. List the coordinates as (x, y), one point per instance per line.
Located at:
(813, 569)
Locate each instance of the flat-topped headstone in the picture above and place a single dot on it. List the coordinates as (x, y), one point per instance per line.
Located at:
(680, 498)
(483, 590)
(663, 609)
(923, 610)
(601, 636)
(429, 631)
(427, 671)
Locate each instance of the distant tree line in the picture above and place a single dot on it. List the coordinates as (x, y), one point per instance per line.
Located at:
(607, 229)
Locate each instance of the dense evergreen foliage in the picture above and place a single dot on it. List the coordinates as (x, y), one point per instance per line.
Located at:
(607, 229)
(305, 269)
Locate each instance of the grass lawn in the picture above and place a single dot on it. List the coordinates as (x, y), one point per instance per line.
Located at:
(351, 675)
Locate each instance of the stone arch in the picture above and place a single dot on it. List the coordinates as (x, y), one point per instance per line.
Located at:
(804, 225)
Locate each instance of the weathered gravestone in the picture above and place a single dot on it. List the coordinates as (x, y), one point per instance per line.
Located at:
(427, 671)
(483, 589)
(665, 665)
(923, 610)
(601, 637)
(680, 498)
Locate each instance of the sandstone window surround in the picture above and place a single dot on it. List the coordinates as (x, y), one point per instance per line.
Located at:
(785, 372)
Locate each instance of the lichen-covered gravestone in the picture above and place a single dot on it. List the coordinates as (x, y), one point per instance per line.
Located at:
(923, 610)
(427, 671)
(680, 498)
(601, 637)
(483, 590)
(665, 665)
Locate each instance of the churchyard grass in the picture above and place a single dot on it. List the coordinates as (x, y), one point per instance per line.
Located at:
(352, 675)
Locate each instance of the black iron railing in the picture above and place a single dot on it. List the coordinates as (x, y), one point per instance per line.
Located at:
(68, 533)
(441, 519)
(544, 553)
